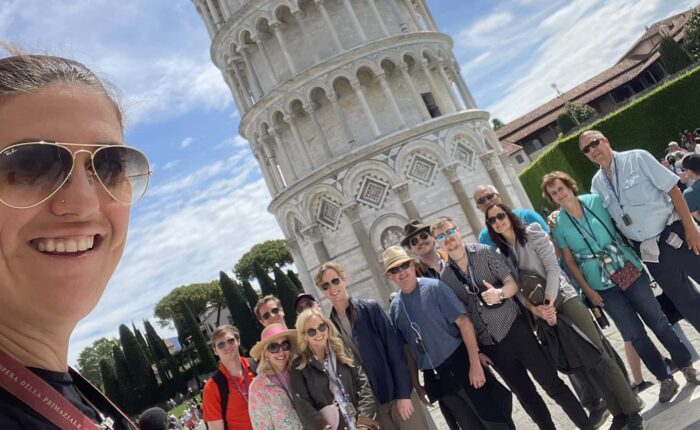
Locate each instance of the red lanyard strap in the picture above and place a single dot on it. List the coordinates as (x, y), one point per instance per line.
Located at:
(40, 396)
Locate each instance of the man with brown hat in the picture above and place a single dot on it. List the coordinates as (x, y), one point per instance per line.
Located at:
(435, 330)
(420, 242)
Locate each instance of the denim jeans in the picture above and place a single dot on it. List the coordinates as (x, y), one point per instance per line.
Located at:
(626, 308)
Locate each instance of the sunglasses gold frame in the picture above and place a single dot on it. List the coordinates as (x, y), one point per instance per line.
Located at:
(92, 171)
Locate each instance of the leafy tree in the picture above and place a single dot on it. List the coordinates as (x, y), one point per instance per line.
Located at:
(126, 385)
(207, 361)
(673, 55)
(691, 40)
(89, 359)
(249, 292)
(497, 123)
(241, 312)
(267, 285)
(295, 280)
(109, 381)
(269, 254)
(198, 296)
(145, 384)
(581, 113)
(287, 295)
(566, 122)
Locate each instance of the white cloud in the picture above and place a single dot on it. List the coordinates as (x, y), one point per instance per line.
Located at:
(170, 164)
(236, 142)
(186, 142)
(488, 24)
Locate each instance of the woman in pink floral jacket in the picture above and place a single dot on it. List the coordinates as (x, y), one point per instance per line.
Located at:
(270, 405)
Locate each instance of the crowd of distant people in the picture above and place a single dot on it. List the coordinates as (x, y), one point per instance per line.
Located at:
(520, 303)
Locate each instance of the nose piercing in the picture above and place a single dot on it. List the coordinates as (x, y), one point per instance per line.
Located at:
(63, 201)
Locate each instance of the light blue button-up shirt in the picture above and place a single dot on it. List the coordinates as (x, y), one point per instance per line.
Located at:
(642, 184)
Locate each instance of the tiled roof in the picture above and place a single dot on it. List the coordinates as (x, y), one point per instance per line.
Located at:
(629, 67)
(510, 148)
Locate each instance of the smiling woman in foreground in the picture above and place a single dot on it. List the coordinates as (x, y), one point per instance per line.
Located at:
(67, 182)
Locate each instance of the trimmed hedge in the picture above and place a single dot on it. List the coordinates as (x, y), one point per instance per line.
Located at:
(647, 123)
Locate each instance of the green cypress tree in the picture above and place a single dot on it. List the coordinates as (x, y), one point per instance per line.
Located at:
(142, 343)
(207, 361)
(126, 384)
(673, 55)
(295, 280)
(287, 295)
(176, 382)
(110, 383)
(145, 384)
(241, 312)
(267, 285)
(250, 295)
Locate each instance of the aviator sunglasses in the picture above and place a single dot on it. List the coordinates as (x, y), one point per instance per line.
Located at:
(483, 199)
(32, 172)
(592, 145)
(498, 217)
(326, 285)
(231, 341)
(273, 312)
(398, 269)
(320, 329)
(275, 347)
(450, 232)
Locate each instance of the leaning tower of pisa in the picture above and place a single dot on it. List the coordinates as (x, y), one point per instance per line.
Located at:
(360, 121)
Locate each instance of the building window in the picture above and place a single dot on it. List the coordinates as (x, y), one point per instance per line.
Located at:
(431, 105)
(536, 144)
(519, 158)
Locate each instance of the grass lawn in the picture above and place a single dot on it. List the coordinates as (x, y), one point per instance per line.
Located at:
(180, 409)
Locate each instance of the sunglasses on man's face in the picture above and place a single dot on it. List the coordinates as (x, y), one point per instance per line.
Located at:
(483, 199)
(32, 172)
(423, 235)
(326, 285)
(400, 268)
(231, 341)
(311, 332)
(593, 144)
(498, 217)
(275, 347)
(273, 312)
(450, 232)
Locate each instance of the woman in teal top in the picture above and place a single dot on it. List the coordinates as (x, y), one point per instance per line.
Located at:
(593, 252)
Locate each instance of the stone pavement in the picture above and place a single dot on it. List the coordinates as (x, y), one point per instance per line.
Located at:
(682, 413)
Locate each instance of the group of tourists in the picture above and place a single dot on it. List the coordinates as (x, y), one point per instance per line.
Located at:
(462, 311)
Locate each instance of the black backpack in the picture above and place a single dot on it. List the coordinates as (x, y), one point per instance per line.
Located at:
(221, 382)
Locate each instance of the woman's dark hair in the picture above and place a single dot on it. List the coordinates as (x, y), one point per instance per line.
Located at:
(22, 73)
(515, 221)
(692, 162)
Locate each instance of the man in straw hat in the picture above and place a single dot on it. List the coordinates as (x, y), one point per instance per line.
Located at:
(433, 325)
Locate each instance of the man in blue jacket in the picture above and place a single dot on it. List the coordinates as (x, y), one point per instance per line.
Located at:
(367, 330)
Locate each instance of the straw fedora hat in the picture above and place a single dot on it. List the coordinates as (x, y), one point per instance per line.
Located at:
(395, 256)
(272, 333)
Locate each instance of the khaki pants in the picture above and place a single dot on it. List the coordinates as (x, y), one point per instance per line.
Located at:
(389, 419)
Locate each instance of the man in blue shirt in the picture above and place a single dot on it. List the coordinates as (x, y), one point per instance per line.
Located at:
(649, 209)
(437, 334)
(486, 195)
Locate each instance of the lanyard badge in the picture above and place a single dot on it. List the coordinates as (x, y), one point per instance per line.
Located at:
(626, 219)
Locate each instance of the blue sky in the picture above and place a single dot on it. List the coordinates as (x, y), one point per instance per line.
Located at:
(207, 202)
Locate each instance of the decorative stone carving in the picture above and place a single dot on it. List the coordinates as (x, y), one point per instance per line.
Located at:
(421, 169)
(392, 236)
(464, 153)
(328, 213)
(372, 192)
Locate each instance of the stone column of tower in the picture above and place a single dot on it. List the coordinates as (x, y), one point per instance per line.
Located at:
(360, 120)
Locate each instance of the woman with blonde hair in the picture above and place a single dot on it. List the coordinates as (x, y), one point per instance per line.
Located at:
(331, 392)
(270, 405)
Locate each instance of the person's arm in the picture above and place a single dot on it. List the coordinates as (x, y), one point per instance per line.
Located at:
(493, 295)
(216, 425)
(476, 372)
(211, 406)
(539, 241)
(692, 235)
(575, 271)
(413, 371)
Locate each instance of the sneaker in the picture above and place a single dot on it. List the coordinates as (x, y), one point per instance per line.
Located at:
(691, 375)
(635, 422)
(598, 417)
(638, 388)
(619, 422)
(640, 402)
(671, 365)
(668, 388)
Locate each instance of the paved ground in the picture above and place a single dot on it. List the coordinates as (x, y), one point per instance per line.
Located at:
(682, 413)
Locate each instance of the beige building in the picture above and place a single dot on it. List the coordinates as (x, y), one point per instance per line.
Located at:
(360, 121)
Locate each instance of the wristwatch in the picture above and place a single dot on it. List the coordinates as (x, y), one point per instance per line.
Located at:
(501, 295)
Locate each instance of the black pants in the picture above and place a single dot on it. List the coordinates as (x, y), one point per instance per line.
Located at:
(489, 407)
(672, 272)
(519, 352)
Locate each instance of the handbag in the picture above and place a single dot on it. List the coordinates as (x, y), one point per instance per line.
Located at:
(533, 287)
(622, 277)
